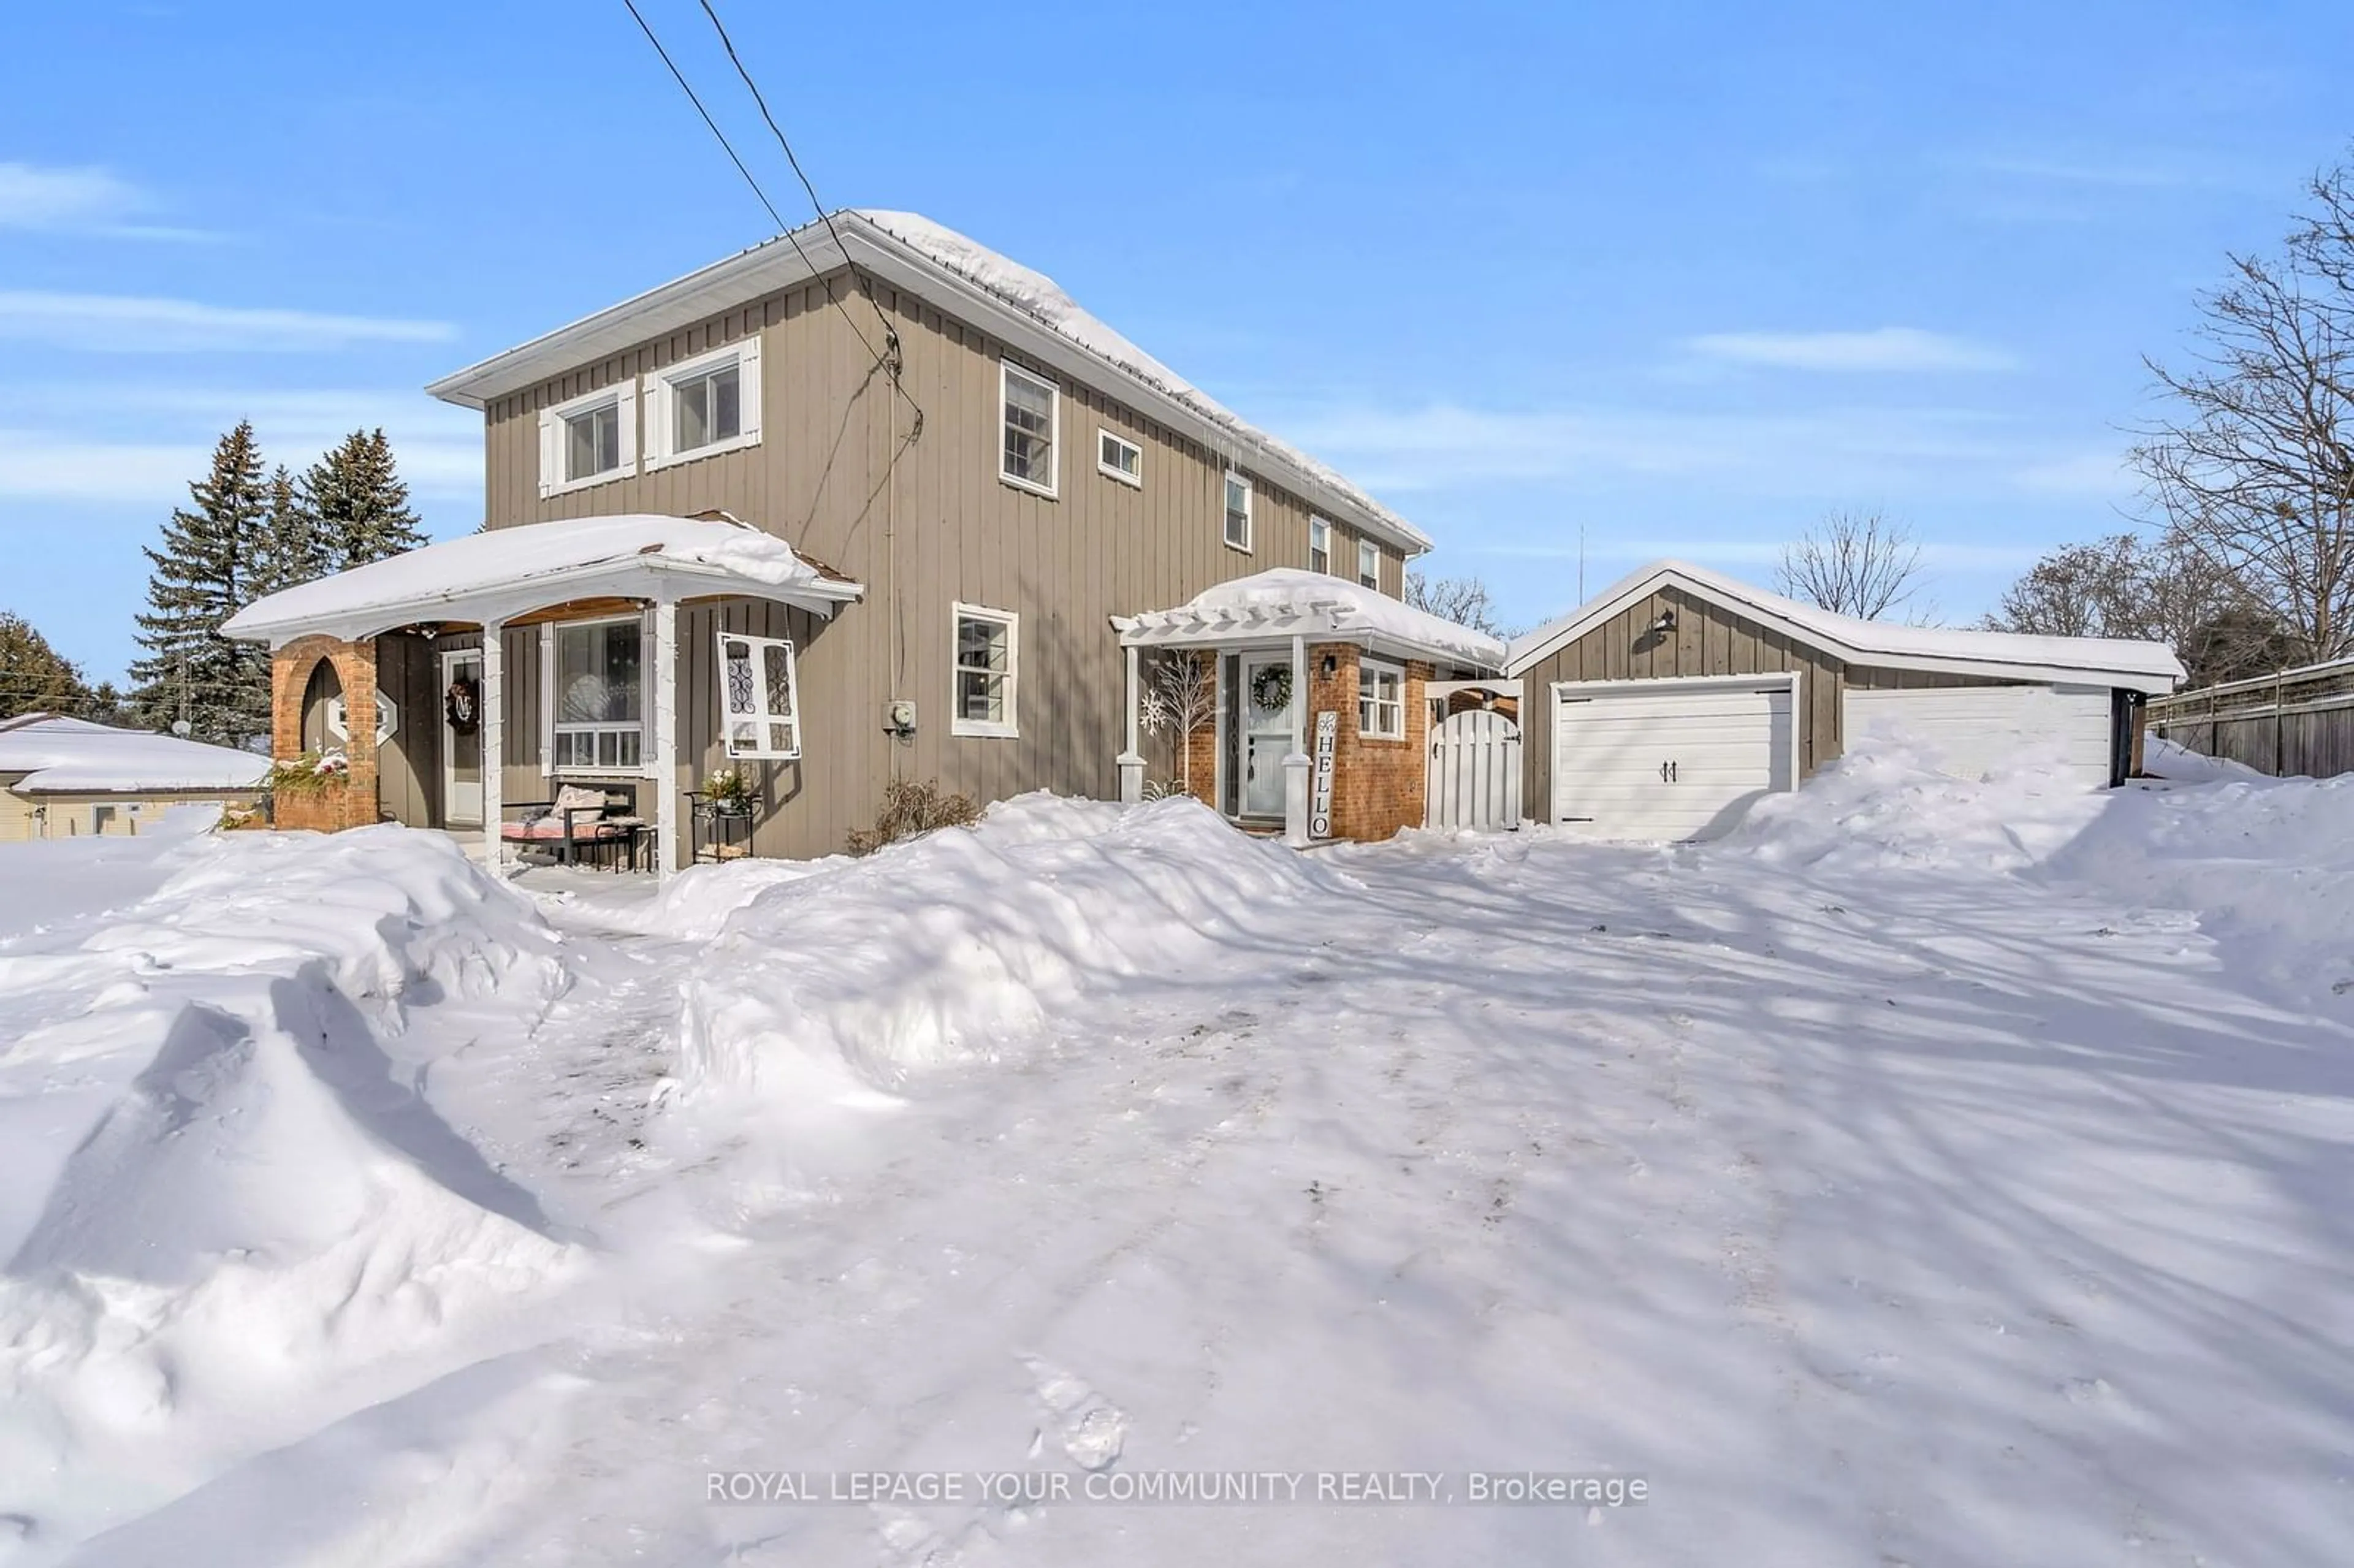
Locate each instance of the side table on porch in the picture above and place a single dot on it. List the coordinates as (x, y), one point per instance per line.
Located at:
(715, 833)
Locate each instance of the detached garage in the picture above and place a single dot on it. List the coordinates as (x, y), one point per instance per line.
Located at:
(1667, 704)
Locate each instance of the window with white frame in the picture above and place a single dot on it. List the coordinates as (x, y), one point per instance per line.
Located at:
(598, 710)
(759, 707)
(704, 405)
(1122, 459)
(589, 439)
(1031, 410)
(1238, 510)
(988, 669)
(1369, 565)
(1380, 700)
(1320, 544)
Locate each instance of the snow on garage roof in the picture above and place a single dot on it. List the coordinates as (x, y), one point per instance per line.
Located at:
(2092, 661)
(503, 572)
(59, 755)
(1288, 601)
(990, 290)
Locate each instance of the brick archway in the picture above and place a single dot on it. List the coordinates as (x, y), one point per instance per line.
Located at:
(293, 668)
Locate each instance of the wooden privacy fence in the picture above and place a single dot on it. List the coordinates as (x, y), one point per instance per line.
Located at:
(2299, 722)
(1473, 779)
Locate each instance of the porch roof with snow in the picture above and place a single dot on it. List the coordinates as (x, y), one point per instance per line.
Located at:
(57, 755)
(502, 573)
(1288, 602)
(2088, 660)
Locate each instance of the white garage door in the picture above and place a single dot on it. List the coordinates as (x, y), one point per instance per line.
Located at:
(1666, 759)
(1976, 729)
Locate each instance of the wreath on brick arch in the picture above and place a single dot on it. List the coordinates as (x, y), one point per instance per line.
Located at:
(461, 704)
(1270, 688)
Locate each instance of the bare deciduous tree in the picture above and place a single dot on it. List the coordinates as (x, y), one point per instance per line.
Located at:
(1465, 601)
(1852, 563)
(2125, 586)
(2252, 472)
(1181, 698)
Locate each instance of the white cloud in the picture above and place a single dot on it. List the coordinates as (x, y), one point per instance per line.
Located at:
(38, 466)
(119, 323)
(78, 201)
(1883, 349)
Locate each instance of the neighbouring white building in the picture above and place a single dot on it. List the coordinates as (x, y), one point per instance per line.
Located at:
(63, 778)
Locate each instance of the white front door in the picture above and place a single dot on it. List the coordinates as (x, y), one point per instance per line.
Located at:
(1667, 759)
(1265, 699)
(462, 753)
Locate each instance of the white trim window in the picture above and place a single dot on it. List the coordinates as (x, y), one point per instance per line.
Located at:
(1380, 700)
(760, 701)
(1369, 565)
(1119, 457)
(1320, 545)
(1030, 413)
(986, 675)
(1238, 511)
(589, 439)
(598, 711)
(704, 405)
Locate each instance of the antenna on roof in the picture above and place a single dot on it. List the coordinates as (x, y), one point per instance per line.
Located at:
(1580, 563)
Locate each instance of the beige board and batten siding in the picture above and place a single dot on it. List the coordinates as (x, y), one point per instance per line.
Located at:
(938, 527)
(1708, 639)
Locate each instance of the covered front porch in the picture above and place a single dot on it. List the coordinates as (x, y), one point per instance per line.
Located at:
(1293, 702)
(562, 685)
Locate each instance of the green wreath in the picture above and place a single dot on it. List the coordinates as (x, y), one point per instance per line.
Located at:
(1271, 688)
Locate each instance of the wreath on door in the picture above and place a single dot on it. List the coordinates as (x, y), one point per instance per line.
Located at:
(462, 705)
(1270, 688)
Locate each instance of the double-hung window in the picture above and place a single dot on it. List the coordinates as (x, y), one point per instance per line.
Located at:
(1369, 565)
(986, 673)
(759, 708)
(1029, 408)
(1238, 510)
(1320, 544)
(589, 439)
(1380, 700)
(703, 405)
(600, 696)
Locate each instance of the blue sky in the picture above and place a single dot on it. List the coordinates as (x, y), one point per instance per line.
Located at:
(1682, 276)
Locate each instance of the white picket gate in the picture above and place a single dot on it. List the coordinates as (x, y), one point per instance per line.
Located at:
(1473, 778)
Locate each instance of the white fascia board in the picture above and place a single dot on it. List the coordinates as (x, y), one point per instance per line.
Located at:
(1549, 640)
(774, 264)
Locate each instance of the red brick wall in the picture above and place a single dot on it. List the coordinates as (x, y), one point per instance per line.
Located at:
(1376, 784)
(352, 804)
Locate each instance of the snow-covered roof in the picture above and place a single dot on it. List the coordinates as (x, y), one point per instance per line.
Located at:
(71, 756)
(2094, 660)
(1022, 306)
(1289, 602)
(503, 572)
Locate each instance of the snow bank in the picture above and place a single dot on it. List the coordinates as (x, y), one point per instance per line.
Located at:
(222, 1191)
(1887, 804)
(956, 946)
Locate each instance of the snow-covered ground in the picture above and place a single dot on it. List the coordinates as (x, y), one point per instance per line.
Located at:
(1931, 1173)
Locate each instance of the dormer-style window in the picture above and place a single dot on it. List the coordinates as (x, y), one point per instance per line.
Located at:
(589, 439)
(704, 405)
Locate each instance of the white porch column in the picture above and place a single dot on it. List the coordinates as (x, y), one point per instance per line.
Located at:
(665, 737)
(1130, 760)
(1296, 763)
(494, 737)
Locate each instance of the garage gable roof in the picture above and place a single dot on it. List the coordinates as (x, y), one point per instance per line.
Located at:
(2002, 655)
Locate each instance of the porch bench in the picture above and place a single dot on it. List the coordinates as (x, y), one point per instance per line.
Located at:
(576, 821)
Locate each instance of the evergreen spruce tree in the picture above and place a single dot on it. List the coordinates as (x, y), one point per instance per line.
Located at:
(292, 547)
(35, 678)
(201, 577)
(361, 506)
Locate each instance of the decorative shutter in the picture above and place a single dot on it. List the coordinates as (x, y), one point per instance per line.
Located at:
(628, 423)
(780, 701)
(749, 389)
(740, 702)
(551, 451)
